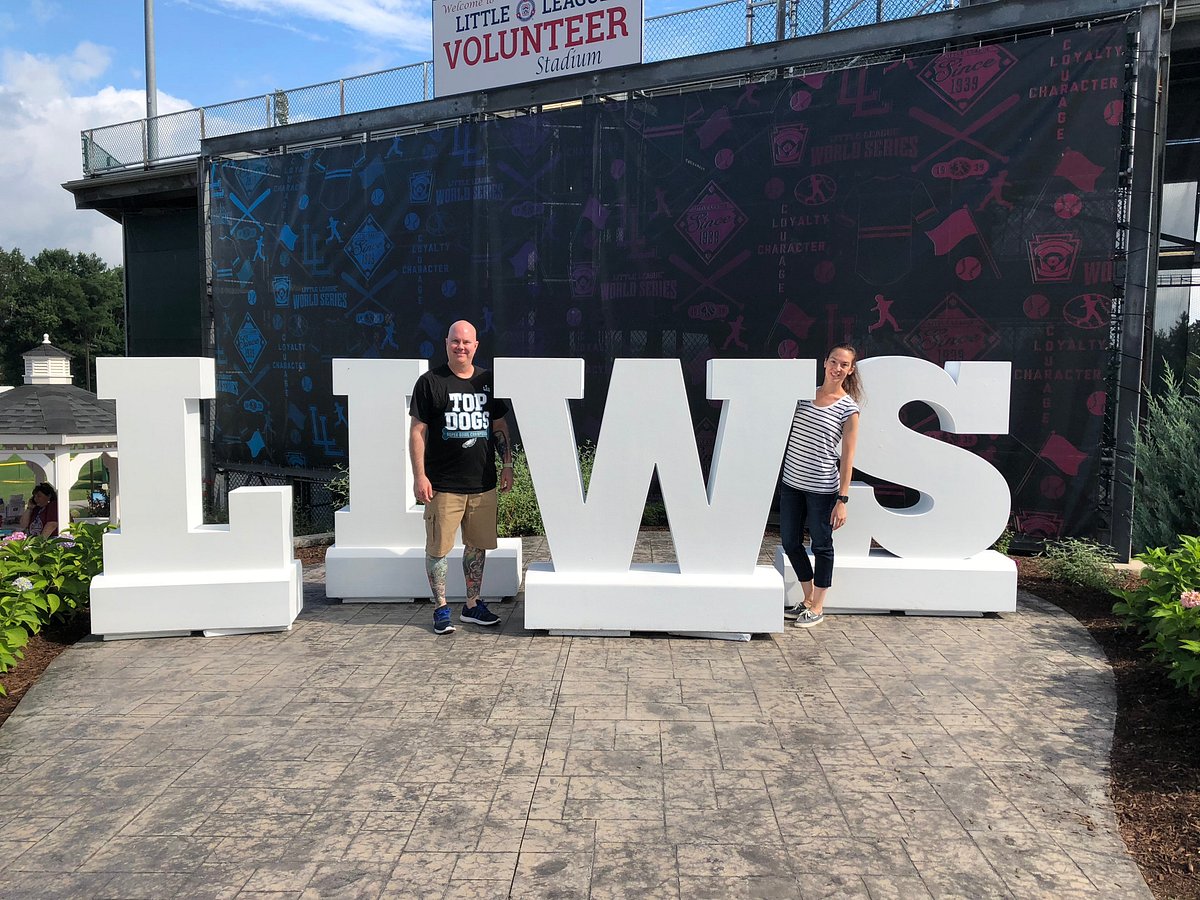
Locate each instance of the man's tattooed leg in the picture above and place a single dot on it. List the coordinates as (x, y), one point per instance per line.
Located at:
(435, 568)
(473, 559)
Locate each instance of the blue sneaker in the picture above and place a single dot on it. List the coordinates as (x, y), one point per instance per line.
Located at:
(441, 620)
(478, 614)
(808, 619)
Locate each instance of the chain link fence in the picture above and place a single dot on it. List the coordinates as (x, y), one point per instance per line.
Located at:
(313, 504)
(705, 29)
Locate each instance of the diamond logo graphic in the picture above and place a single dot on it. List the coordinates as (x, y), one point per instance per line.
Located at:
(250, 172)
(953, 331)
(787, 144)
(710, 221)
(961, 78)
(368, 246)
(249, 341)
(420, 186)
(281, 287)
(1052, 257)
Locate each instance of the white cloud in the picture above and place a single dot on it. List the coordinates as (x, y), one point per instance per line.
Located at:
(45, 102)
(406, 21)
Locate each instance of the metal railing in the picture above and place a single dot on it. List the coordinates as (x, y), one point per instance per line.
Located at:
(718, 26)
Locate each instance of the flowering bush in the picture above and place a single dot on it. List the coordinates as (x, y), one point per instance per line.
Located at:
(43, 580)
(1165, 607)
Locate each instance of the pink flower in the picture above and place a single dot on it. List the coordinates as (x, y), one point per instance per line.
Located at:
(16, 536)
(1190, 599)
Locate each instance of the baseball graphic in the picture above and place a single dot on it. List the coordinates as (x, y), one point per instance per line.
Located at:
(801, 100)
(968, 268)
(724, 158)
(1053, 487)
(1036, 306)
(574, 316)
(1096, 403)
(1068, 206)
(1114, 110)
(788, 349)
(773, 188)
(824, 271)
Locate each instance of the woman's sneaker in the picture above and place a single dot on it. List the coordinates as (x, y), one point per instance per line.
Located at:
(441, 620)
(808, 618)
(478, 614)
(793, 612)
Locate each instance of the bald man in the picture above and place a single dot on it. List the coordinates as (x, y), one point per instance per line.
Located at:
(457, 427)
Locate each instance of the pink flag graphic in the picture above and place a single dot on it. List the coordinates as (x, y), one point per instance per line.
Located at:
(796, 320)
(1063, 454)
(958, 227)
(1079, 170)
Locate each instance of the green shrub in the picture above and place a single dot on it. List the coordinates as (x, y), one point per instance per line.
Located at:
(1165, 607)
(1004, 542)
(518, 514)
(339, 487)
(1168, 465)
(1080, 561)
(44, 580)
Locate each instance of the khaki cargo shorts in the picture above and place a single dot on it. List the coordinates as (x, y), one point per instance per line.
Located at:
(476, 513)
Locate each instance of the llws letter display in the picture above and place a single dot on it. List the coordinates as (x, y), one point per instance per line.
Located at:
(717, 528)
(379, 538)
(934, 555)
(165, 572)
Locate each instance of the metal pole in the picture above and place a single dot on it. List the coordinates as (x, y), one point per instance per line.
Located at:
(780, 19)
(749, 22)
(151, 86)
(1141, 273)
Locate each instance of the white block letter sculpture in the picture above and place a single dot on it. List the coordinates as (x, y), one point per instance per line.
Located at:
(379, 545)
(717, 585)
(165, 572)
(935, 556)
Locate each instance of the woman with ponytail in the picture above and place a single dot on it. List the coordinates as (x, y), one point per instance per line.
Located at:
(816, 479)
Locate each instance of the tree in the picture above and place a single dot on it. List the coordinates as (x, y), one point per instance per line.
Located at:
(75, 298)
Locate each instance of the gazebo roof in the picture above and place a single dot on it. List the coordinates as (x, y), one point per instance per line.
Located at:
(49, 409)
(43, 410)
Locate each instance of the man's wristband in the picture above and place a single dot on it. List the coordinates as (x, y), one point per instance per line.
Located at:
(506, 467)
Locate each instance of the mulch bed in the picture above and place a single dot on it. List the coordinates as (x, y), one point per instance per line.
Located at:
(1156, 744)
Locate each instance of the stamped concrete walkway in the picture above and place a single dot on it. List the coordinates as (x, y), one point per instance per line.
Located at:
(360, 755)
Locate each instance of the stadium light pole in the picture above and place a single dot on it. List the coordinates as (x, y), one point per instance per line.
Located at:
(151, 88)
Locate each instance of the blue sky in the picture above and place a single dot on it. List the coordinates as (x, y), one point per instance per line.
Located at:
(67, 65)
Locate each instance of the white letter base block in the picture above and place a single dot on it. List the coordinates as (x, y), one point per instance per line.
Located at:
(881, 582)
(652, 597)
(215, 602)
(397, 574)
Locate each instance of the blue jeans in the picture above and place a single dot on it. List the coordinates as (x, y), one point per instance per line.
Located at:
(800, 508)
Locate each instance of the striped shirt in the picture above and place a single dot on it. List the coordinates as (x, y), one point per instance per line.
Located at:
(814, 445)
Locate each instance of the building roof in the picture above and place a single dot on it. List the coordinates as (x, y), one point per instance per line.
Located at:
(47, 349)
(55, 409)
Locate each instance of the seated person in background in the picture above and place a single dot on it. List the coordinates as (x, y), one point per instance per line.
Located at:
(41, 515)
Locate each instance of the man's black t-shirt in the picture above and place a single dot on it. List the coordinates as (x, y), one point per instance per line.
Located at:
(459, 458)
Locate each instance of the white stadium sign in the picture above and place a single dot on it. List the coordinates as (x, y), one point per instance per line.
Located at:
(482, 44)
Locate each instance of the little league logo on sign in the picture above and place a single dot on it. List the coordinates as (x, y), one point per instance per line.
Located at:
(481, 45)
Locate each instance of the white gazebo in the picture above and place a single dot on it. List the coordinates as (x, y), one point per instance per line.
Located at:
(57, 428)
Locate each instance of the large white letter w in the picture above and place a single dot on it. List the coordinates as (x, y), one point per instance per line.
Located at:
(647, 426)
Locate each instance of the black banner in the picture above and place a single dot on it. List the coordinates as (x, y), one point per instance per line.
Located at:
(954, 207)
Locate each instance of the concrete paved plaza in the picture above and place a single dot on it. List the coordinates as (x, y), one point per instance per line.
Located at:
(360, 755)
